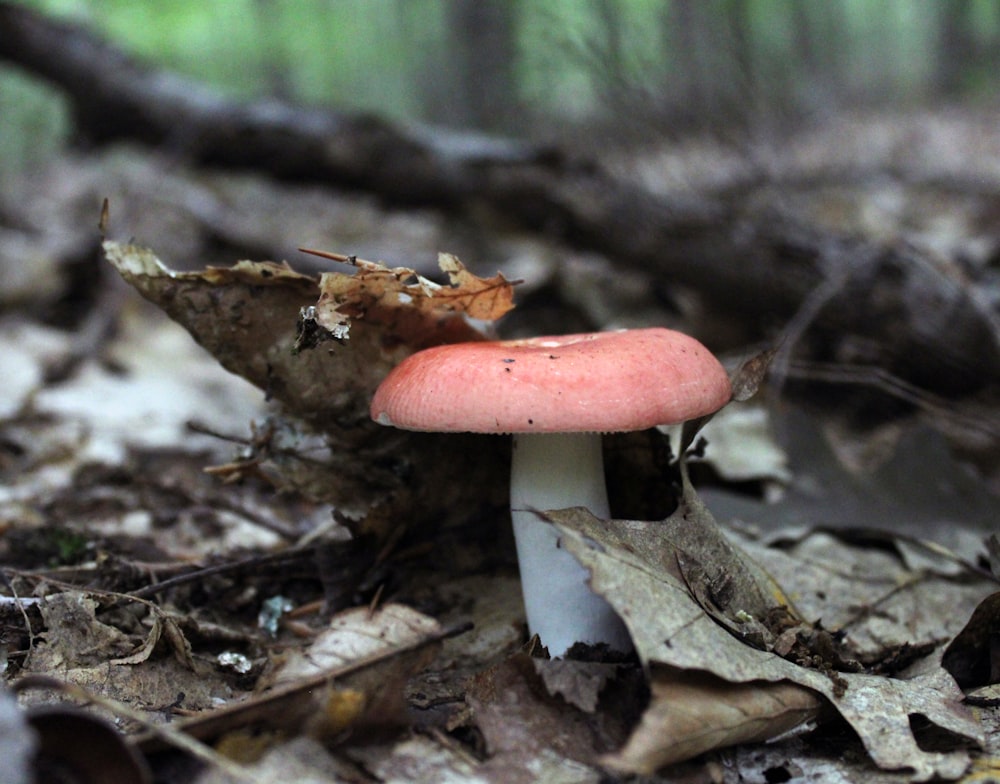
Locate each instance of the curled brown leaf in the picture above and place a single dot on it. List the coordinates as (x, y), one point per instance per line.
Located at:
(404, 302)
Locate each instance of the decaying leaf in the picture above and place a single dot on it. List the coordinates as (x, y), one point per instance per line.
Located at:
(973, 657)
(700, 712)
(892, 608)
(692, 553)
(75, 635)
(354, 634)
(358, 683)
(247, 316)
(166, 629)
(527, 728)
(88, 652)
(748, 377)
(407, 305)
(694, 604)
(578, 682)
(745, 381)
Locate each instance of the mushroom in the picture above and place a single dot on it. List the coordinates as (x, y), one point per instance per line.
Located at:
(556, 395)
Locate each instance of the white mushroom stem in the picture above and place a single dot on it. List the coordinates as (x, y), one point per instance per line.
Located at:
(557, 471)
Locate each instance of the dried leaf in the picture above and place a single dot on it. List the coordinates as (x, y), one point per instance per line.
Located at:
(78, 646)
(744, 381)
(697, 617)
(247, 317)
(164, 628)
(354, 634)
(144, 651)
(748, 377)
(578, 682)
(691, 552)
(691, 713)
(972, 657)
(862, 582)
(368, 657)
(486, 299)
(75, 637)
(406, 304)
(179, 644)
(521, 724)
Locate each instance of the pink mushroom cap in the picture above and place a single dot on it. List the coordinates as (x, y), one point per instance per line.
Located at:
(594, 382)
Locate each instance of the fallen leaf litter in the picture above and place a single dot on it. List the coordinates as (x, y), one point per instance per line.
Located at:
(658, 593)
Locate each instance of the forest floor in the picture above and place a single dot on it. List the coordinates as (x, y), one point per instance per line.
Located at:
(174, 559)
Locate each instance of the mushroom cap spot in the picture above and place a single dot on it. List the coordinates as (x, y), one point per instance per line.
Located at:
(600, 381)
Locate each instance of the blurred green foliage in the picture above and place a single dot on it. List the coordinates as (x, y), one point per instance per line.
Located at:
(677, 61)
